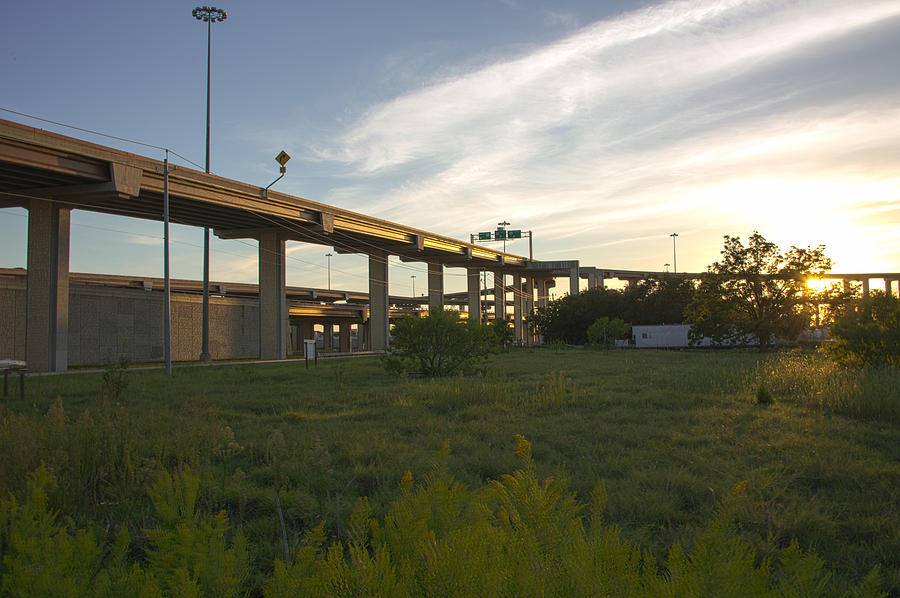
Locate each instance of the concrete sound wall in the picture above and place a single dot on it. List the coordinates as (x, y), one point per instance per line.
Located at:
(108, 323)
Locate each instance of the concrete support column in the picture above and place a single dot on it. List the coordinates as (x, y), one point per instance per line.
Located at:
(273, 313)
(47, 290)
(362, 336)
(473, 294)
(529, 307)
(517, 308)
(544, 292)
(379, 322)
(345, 337)
(295, 340)
(887, 287)
(499, 296)
(865, 287)
(573, 281)
(328, 336)
(435, 287)
(307, 331)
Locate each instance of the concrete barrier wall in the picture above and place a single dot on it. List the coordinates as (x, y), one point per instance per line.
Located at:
(106, 324)
(12, 321)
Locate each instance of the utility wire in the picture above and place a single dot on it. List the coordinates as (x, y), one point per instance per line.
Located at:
(327, 239)
(108, 136)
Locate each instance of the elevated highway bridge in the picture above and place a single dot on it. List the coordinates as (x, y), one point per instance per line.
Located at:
(50, 175)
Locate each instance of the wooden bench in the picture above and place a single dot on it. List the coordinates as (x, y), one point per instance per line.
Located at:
(19, 367)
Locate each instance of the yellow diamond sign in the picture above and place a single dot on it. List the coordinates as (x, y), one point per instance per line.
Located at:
(282, 158)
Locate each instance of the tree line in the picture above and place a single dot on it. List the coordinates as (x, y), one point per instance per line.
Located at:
(755, 294)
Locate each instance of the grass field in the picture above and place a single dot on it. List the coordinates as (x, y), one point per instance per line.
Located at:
(670, 433)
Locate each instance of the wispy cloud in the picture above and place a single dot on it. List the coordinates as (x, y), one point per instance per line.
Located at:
(630, 123)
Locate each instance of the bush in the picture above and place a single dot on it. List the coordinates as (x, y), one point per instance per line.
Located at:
(439, 344)
(523, 536)
(604, 332)
(871, 336)
(503, 330)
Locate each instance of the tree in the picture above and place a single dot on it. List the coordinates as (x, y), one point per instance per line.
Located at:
(756, 292)
(604, 332)
(869, 337)
(567, 319)
(504, 332)
(651, 301)
(439, 344)
(657, 300)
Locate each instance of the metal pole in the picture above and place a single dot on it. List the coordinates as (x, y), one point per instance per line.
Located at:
(208, 63)
(204, 350)
(328, 255)
(674, 257)
(529, 245)
(167, 308)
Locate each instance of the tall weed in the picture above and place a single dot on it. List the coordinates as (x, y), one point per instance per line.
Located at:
(522, 536)
(819, 383)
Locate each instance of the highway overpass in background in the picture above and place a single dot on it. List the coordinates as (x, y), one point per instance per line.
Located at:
(50, 175)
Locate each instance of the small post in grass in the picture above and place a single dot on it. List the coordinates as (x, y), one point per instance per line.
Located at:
(309, 350)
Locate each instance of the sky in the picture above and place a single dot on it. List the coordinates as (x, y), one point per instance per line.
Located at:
(602, 127)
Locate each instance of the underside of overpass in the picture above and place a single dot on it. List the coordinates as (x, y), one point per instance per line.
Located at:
(50, 175)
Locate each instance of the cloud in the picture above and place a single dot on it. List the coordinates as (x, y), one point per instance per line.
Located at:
(635, 123)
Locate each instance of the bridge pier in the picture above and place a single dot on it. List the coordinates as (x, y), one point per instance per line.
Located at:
(47, 287)
(573, 280)
(435, 286)
(273, 312)
(529, 307)
(499, 295)
(518, 297)
(379, 320)
(345, 337)
(327, 336)
(473, 294)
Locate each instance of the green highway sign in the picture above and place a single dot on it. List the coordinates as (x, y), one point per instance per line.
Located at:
(500, 234)
(484, 236)
(513, 234)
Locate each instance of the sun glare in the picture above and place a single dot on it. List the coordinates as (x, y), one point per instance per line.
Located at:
(809, 212)
(818, 285)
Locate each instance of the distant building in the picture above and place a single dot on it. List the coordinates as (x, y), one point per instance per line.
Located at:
(674, 336)
(664, 336)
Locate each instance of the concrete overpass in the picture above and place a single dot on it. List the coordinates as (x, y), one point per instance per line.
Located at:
(596, 277)
(50, 175)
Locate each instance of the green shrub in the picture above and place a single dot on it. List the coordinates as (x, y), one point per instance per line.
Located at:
(188, 555)
(869, 337)
(115, 379)
(439, 344)
(41, 558)
(523, 536)
(763, 396)
(503, 330)
(605, 332)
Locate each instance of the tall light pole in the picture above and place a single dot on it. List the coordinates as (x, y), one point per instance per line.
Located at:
(674, 258)
(328, 256)
(209, 15)
(413, 277)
